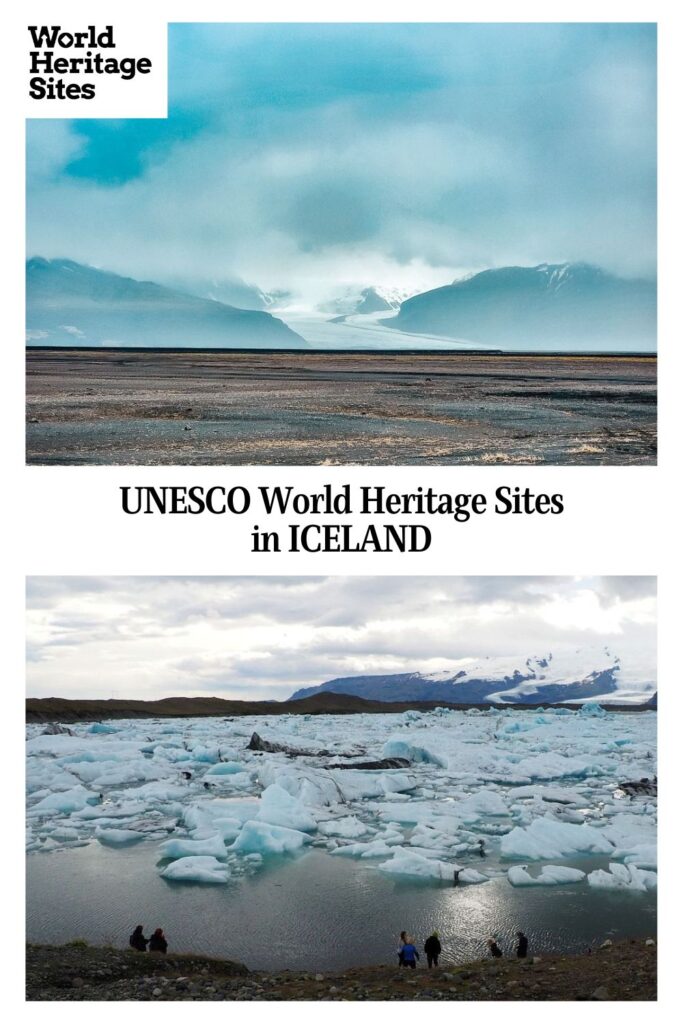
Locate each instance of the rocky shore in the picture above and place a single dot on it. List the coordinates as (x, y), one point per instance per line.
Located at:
(615, 971)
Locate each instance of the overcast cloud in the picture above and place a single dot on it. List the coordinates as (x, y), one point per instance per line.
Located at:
(255, 638)
(314, 157)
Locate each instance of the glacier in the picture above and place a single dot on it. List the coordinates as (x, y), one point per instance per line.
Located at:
(482, 788)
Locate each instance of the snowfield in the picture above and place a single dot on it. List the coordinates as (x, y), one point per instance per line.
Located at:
(532, 789)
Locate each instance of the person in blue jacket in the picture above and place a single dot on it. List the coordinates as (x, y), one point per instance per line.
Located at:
(410, 954)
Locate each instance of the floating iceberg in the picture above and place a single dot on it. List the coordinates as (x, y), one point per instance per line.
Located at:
(177, 848)
(260, 837)
(227, 768)
(551, 874)
(624, 877)
(546, 839)
(413, 865)
(64, 803)
(482, 804)
(592, 710)
(348, 828)
(117, 836)
(278, 807)
(397, 747)
(196, 869)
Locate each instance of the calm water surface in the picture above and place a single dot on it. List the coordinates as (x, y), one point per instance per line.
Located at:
(313, 911)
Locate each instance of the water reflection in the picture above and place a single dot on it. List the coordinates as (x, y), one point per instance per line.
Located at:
(313, 910)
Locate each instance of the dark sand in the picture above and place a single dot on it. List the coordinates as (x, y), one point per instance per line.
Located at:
(99, 407)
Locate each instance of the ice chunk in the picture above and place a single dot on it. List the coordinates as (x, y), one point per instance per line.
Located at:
(349, 827)
(482, 804)
(545, 839)
(472, 877)
(592, 710)
(66, 835)
(278, 807)
(117, 836)
(196, 869)
(551, 874)
(643, 855)
(261, 837)
(397, 782)
(177, 848)
(226, 768)
(398, 747)
(551, 794)
(374, 848)
(623, 876)
(409, 864)
(551, 765)
(64, 803)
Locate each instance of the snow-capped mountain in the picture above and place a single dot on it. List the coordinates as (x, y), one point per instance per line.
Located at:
(565, 676)
(374, 299)
(549, 307)
(68, 303)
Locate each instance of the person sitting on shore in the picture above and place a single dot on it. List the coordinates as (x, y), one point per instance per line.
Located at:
(137, 940)
(522, 945)
(403, 938)
(432, 949)
(410, 954)
(494, 948)
(157, 943)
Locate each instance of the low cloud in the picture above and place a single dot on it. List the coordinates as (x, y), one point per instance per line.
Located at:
(263, 637)
(312, 158)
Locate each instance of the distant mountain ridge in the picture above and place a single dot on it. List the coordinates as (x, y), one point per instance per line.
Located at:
(63, 709)
(68, 303)
(585, 676)
(559, 306)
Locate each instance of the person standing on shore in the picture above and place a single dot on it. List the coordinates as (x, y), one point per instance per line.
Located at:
(402, 939)
(158, 943)
(410, 954)
(522, 945)
(137, 940)
(432, 949)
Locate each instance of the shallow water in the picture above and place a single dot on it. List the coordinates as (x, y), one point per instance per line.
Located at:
(314, 911)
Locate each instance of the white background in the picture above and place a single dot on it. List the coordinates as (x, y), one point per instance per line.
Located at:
(144, 95)
(68, 521)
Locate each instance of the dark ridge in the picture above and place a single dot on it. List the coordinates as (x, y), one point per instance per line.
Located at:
(61, 709)
(371, 352)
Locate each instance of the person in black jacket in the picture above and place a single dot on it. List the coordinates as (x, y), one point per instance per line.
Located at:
(157, 943)
(137, 940)
(432, 949)
(522, 945)
(494, 948)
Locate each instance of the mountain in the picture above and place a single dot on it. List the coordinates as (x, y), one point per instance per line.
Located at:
(232, 291)
(68, 303)
(367, 300)
(561, 306)
(63, 709)
(568, 676)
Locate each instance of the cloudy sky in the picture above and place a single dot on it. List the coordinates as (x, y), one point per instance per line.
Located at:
(264, 637)
(316, 157)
